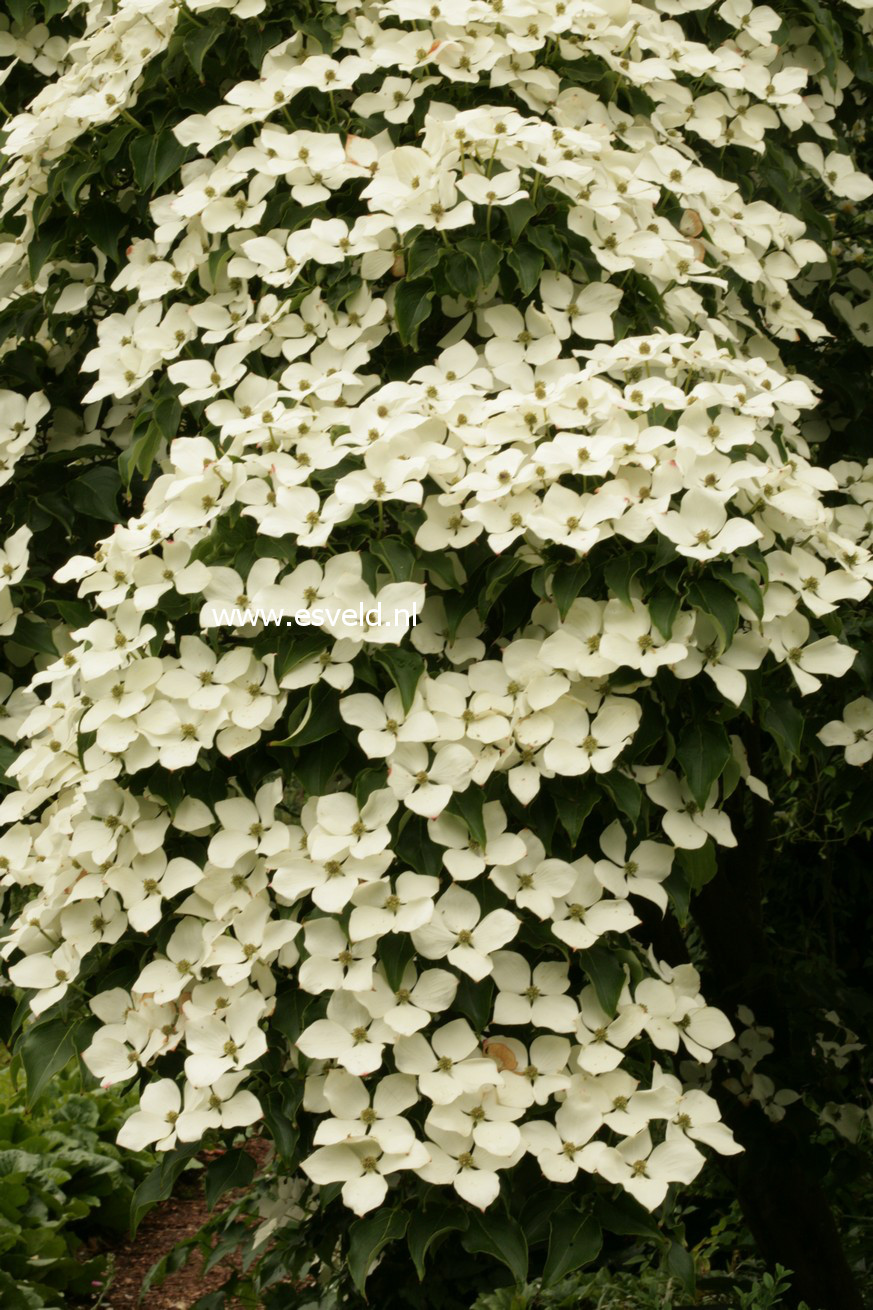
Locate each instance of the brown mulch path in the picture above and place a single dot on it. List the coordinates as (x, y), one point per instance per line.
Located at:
(168, 1223)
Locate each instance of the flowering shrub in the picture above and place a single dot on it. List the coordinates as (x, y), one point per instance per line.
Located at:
(482, 319)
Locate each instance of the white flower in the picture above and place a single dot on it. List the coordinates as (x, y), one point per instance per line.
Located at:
(535, 997)
(447, 1066)
(580, 743)
(581, 915)
(362, 1169)
(459, 933)
(701, 528)
(684, 822)
(643, 1171)
(854, 731)
(425, 786)
(345, 1036)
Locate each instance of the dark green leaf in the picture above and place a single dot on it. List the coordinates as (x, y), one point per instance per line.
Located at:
(474, 1000)
(367, 1237)
(199, 42)
(784, 722)
(496, 1234)
(462, 275)
(518, 216)
(567, 582)
(663, 607)
(606, 973)
(703, 751)
(168, 157)
(430, 1223)
(575, 1240)
(45, 1049)
(620, 572)
(698, 866)
(412, 307)
(158, 1185)
(527, 263)
(743, 586)
(485, 255)
(424, 254)
(96, 493)
(235, 1168)
(547, 240)
(467, 805)
(396, 556)
(404, 667)
(680, 1263)
(395, 951)
(626, 1217)
(318, 765)
(626, 793)
(33, 635)
(718, 602)
(415, 848)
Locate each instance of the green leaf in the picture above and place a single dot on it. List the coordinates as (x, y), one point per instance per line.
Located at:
(96, 493)
(567, 582)
(573, 800)
(295, 646)
(606, 973)
(574, 1240)
(45, 1049)
(280, 1107)
(73, 177)
(496, 1234)
(103, 226)
(199, 42)
(663, 608)
(620, 572)
(718, 602)
(320, 718)
(485, 255)
(784, 722)
(467, 805)
(395, 951)
(462, 275)
(396, 556)
(140, 455)
(680, 1263)
(319, 764)
(626, 794)
(518, 216)
(168, 156)
(404, 667)
(142, 159)
(699, 866)
(430, 1223)
(42, 244)
(743, 586)
(424, 254)
(474, 1000)
(235, 1168)
(415, 848)
(547, 240)
(369, 1236)
(626, 1217)
(34, 635)
(703, 751)
(498, 576)
(158, 1185)
(527, 264)
(412, 306)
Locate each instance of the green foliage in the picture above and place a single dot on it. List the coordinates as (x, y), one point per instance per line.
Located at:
(62, 1179)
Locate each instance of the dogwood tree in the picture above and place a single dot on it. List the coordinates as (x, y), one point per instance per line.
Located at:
(447, 375)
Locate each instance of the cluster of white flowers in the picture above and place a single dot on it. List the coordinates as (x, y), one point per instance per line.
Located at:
(535, 433)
